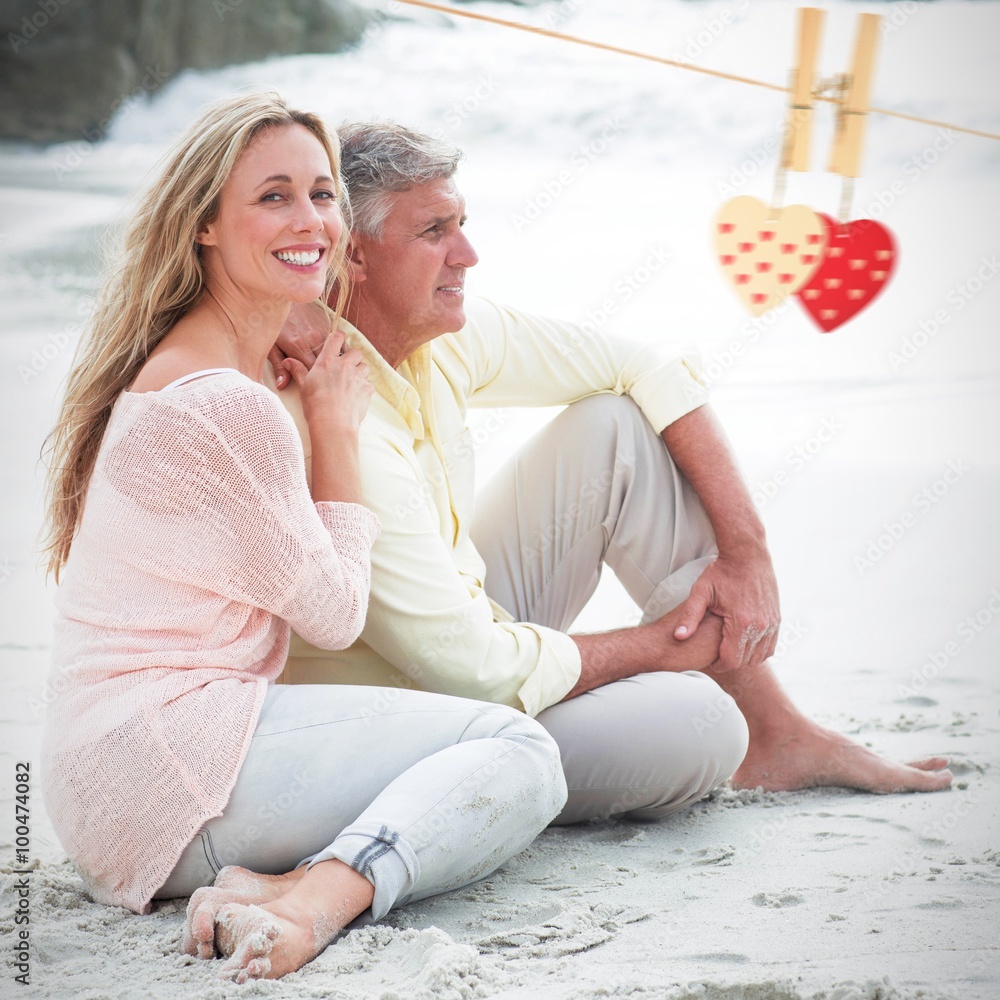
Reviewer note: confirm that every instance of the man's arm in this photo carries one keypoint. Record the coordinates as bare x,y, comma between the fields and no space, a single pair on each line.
732,612
302,338
739,586
613,656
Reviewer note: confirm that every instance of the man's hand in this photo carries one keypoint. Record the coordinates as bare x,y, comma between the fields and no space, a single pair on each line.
301,338
740,589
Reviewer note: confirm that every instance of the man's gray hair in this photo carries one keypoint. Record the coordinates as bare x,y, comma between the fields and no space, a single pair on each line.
378,158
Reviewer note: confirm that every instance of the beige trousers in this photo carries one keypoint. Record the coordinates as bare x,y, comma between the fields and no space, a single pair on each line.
597,486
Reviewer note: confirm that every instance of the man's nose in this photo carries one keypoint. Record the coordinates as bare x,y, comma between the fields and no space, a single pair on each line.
463,253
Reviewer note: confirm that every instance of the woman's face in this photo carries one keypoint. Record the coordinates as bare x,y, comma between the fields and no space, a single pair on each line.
278,220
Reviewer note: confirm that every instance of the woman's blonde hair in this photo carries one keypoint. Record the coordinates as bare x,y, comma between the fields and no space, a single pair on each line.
157,277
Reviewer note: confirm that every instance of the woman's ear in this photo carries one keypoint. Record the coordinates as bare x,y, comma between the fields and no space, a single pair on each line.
205,236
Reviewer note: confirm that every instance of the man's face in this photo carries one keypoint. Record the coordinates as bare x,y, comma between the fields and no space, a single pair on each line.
414,275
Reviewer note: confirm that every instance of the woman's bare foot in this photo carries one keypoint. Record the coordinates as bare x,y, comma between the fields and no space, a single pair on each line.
232,885
807,755
260,944
278,937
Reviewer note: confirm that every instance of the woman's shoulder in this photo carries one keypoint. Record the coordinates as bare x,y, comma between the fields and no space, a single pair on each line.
213,390
238,409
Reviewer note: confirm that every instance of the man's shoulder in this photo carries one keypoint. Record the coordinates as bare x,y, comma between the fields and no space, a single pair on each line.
486,320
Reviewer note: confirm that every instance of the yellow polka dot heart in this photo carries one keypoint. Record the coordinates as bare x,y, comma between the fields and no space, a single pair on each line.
766,253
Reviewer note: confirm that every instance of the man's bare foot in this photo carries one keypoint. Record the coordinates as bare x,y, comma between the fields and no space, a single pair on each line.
232,885
789,751
807,755
270,940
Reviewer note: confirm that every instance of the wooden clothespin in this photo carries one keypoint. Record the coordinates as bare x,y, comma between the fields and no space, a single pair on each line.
796,147
852,111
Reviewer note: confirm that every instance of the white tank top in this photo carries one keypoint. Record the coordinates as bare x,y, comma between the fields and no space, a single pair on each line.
188,378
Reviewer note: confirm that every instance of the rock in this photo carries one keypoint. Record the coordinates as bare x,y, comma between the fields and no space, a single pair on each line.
66,65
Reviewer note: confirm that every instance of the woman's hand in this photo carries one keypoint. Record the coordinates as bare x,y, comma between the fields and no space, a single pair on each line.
335,390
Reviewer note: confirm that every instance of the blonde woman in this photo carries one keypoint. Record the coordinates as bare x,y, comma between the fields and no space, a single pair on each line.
187,543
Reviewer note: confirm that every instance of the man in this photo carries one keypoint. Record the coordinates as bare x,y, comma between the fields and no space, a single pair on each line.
475,599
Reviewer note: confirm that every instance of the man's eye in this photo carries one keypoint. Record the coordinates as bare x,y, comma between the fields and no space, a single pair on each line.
433,231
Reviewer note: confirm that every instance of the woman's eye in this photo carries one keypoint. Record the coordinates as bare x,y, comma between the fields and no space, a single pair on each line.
271,196
325,195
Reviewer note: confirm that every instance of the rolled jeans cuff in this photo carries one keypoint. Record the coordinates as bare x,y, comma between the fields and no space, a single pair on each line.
382,857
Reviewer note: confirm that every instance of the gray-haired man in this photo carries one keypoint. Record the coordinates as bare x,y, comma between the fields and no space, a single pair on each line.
475,599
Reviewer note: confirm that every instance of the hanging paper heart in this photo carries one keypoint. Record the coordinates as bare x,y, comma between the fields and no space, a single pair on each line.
768,253
860,257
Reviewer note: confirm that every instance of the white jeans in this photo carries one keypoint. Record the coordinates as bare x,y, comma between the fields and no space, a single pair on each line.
420,793
597,485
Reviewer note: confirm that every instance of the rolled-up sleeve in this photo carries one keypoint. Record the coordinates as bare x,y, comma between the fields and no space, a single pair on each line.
513,358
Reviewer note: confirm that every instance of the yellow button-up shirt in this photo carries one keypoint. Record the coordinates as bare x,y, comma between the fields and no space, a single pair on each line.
431,624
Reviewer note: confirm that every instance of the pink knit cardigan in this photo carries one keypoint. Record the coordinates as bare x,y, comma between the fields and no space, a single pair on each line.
199,544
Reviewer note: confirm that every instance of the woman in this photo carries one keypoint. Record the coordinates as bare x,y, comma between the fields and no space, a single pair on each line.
188,542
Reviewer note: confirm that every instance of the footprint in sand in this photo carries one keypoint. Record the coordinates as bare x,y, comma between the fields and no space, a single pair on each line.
729,957
964,765
568,933
722,854
777,901
917,701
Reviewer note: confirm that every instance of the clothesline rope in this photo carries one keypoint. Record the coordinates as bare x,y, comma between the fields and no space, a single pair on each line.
662,60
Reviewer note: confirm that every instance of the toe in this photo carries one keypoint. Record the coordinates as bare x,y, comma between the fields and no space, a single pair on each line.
258,968
244,932
933,780
930,764
251,958
199,932
912,778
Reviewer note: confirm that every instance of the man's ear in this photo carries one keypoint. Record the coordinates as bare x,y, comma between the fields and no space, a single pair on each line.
357,262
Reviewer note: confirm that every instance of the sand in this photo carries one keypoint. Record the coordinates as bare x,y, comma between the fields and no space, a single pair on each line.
747,896
881,523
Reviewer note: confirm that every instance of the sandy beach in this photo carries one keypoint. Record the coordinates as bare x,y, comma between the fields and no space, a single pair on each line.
747,896
872,454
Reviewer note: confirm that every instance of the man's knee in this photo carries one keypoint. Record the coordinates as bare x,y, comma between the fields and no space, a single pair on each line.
615,436
648,745
605,413
718,742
